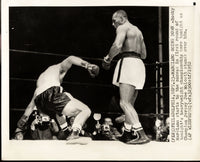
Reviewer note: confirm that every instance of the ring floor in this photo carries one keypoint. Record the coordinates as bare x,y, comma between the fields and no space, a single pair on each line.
95,150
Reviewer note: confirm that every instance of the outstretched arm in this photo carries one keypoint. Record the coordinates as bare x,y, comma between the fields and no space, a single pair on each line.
74,60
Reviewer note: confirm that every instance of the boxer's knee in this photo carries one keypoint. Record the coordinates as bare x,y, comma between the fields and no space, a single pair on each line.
125,105
87,111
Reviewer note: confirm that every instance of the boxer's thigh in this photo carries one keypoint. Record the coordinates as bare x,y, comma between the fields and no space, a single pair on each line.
73,107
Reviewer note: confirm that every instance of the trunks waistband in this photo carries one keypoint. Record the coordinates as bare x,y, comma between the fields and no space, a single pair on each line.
60,89
130,54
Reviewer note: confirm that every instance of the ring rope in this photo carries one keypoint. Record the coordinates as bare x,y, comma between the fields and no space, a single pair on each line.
51,54
87,58
157,64
84,84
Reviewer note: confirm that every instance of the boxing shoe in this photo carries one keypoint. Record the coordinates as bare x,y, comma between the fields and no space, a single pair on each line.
62,135
127,136
74,135
74,138
141,138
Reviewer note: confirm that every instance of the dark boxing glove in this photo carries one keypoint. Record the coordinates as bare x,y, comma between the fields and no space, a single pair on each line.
106,63
93,70
19,135
22,122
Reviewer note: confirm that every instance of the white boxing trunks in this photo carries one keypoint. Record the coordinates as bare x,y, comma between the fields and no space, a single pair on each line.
130,70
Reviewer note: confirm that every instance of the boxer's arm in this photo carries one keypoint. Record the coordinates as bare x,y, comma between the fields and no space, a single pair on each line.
29,109
73,60
118,43
143,52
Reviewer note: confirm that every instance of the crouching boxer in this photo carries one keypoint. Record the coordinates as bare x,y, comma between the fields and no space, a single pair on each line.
50,98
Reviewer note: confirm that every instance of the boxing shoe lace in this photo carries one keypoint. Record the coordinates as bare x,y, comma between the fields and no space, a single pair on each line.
141,138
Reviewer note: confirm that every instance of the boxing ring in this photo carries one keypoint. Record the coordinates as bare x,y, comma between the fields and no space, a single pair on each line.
22,84
159,115
158,98
98,149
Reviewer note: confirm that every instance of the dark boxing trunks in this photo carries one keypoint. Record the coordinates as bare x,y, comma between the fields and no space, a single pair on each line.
129,54
52,101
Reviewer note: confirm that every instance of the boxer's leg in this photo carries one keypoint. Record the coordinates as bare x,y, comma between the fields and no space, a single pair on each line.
126,96
80,111
134,97
137,127
121,118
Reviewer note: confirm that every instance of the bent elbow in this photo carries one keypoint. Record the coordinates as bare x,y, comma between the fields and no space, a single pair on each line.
71,58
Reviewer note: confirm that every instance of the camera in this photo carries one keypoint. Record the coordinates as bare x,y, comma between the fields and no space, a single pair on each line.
105,128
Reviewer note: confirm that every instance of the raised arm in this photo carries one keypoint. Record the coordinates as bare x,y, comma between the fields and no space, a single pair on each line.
74,60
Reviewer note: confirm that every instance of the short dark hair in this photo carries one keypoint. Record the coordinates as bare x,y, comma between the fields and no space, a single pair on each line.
121,13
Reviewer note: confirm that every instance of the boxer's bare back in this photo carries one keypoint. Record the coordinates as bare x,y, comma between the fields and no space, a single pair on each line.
52,76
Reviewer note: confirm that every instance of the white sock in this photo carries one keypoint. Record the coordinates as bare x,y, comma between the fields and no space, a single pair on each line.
137,126
127,127
76,127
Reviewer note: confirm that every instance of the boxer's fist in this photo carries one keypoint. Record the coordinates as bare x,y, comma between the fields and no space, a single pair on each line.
93,70
106,63
19,134
22,122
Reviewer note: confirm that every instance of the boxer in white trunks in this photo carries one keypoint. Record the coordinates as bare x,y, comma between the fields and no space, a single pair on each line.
129,73
49,97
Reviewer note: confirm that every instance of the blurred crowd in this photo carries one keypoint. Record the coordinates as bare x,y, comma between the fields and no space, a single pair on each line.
42,127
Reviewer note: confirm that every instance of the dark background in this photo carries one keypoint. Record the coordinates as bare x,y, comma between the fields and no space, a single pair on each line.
58,32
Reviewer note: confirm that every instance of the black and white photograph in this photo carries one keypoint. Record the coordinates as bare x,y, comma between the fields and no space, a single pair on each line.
58,46
99,82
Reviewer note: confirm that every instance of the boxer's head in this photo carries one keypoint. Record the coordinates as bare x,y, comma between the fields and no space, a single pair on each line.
119,18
